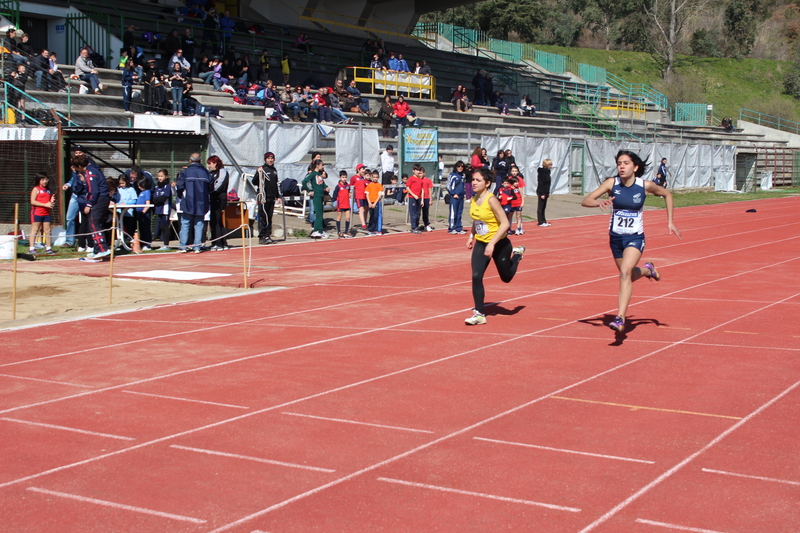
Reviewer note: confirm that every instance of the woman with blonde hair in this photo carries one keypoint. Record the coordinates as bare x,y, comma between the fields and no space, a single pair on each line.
543,191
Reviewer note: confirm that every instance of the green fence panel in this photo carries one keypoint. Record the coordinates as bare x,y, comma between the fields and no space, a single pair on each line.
690,114
10,10
769,121
592,74
555,63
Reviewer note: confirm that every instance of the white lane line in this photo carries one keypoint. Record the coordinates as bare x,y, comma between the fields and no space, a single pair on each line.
358,423
74,430
117,505
47,381
184,399
772,479
248,458
481,423
675,526
641,492
479,494
566,451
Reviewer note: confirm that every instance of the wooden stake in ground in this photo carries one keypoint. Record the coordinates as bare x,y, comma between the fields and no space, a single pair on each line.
111,265
14,278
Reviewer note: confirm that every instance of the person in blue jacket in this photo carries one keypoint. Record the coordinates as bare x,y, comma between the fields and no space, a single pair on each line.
226,24
194,189
97,201
455,188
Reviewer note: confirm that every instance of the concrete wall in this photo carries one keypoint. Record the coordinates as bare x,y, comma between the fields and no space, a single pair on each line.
770,134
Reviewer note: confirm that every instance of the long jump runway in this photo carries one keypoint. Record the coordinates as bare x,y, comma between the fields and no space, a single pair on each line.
354,398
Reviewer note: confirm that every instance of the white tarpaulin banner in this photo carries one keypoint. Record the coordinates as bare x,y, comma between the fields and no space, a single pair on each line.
290,144
352,148
724,161
529,152
766,180
166,122
28,134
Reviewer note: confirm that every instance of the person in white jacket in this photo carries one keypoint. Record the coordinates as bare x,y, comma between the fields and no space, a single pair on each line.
387,165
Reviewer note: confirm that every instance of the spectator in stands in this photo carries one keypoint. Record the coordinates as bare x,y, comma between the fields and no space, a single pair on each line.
361,102
24,46
227,72
417,67
128,77
302,43
241,72
171,45
401,111
286,98
210,32
203,69
526,106
128,38
178,58
264,58
298,105
187,45
378,62
402,64
460,99
137,54
271,97
57,81
13,47
40,65
194,189
323,106
386,114
286,69
177,79
19,77
425,70
226,24
500,103
262,74
335,106
85,70
479,83
392,62
311,103
344,97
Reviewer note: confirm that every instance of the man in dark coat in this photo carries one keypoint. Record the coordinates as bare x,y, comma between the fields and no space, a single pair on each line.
194,189
266,182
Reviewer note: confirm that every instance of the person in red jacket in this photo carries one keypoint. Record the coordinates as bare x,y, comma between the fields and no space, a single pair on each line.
401,111
359,184
427,188
341,202
414,189
478,160
42,203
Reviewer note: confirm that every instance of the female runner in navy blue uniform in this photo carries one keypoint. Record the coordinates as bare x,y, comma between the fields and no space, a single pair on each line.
626,194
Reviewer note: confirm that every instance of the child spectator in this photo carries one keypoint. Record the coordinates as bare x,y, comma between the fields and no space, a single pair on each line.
414,190
375,193
341,202
427,188
127,196
506,196
143,214
455,188
162,200
402,190
359,184
42,203
516,206
520,186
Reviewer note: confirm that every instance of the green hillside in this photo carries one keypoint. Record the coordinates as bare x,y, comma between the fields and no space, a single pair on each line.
729,84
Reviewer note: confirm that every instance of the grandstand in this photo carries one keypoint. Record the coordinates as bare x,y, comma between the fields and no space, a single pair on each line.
568,106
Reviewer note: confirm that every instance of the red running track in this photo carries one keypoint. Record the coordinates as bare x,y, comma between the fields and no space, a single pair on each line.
355,398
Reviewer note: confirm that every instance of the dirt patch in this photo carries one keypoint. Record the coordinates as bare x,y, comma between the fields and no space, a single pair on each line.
42,297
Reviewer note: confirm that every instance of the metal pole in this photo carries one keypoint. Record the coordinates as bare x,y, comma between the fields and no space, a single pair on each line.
314,137
113,246
242,206
14,277
360,142
266,136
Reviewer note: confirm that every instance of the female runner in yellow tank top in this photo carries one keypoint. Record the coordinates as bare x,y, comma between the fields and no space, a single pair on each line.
488,240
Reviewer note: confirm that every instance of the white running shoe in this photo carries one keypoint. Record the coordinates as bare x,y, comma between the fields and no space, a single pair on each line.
476,319
519,250
428,228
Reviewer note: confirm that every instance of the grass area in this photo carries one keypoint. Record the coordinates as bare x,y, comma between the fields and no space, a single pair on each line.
709,198
728,84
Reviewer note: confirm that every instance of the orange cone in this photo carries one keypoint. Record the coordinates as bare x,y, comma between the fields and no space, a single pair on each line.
137,246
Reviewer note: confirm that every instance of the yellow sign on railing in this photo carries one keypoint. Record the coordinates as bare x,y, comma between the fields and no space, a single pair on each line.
385,81
356,26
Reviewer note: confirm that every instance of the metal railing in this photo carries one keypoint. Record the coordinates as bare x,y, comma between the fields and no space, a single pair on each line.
89,30
586,113
10,10
592,74
638,90
770,121
618,108
20,113
689,114
385,81
350,25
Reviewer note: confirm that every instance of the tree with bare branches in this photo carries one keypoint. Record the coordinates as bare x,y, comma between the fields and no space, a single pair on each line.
669,18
